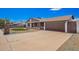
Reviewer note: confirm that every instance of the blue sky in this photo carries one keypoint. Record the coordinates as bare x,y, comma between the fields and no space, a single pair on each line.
20,14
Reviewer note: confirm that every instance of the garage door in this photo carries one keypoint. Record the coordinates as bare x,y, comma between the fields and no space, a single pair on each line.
56,26
72,27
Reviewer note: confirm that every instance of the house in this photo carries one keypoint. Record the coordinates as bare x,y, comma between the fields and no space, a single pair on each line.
19,24
61,23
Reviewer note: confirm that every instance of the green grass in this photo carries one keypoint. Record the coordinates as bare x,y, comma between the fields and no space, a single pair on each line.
19,29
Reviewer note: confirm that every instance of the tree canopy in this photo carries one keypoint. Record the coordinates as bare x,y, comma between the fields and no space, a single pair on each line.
2,22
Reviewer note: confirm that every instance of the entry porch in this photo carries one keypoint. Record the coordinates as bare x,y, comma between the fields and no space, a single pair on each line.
37,25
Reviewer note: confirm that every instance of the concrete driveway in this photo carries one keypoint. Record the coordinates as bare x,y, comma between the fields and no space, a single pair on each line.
37,41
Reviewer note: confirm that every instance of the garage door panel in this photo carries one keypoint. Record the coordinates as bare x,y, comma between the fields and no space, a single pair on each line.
72,27
57,26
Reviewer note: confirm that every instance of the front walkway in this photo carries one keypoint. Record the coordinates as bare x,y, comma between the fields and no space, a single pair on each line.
37,41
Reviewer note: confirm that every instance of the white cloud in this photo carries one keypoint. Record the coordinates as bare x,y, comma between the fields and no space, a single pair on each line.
55,9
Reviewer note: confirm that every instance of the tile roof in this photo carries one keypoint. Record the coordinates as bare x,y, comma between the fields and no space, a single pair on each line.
59,18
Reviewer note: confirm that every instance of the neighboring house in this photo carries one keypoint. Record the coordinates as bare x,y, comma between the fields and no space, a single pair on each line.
62,23
12,25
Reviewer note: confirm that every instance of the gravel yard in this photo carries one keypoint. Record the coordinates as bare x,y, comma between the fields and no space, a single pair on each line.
71,44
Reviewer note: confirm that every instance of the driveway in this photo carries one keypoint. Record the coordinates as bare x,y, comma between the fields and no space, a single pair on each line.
37,41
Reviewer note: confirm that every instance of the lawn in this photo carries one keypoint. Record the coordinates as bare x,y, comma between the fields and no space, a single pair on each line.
19,29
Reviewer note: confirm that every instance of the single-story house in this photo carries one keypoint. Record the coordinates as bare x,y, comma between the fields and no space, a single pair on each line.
19,24
61,23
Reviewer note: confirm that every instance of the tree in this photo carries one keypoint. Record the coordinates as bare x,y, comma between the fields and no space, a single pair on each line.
3,21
